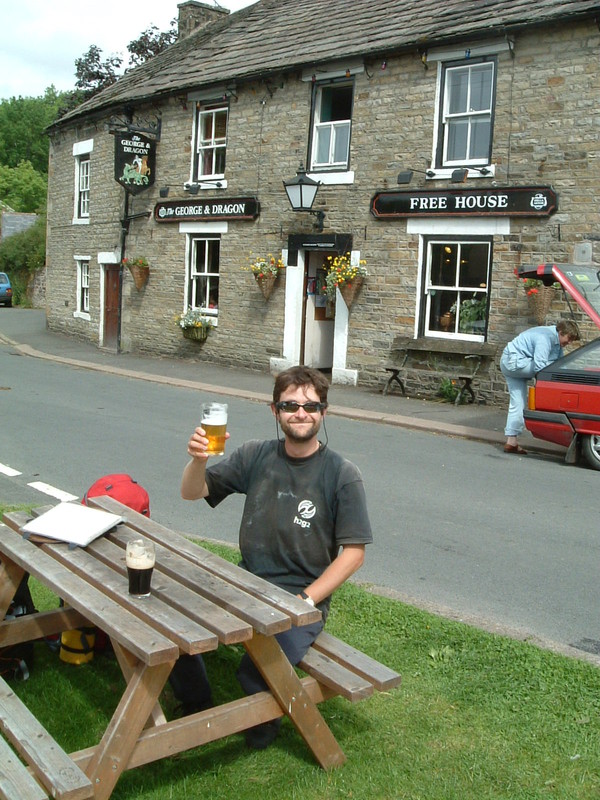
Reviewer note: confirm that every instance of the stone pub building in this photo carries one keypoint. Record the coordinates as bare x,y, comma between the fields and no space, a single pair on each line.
451,143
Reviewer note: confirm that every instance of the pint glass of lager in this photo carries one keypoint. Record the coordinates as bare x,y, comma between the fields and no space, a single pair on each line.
139,558
214,423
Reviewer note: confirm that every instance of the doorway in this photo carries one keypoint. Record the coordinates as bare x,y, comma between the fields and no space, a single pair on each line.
318,315
112,305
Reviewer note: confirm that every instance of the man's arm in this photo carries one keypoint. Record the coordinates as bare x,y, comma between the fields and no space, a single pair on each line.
341,568
193,480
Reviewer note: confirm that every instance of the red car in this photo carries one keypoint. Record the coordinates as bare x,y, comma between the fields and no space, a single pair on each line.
564,403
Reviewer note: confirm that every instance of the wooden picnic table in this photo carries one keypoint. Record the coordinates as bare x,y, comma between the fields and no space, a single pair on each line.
198,602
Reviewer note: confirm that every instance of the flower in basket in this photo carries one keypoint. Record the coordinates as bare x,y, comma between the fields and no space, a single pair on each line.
262,266
141,261
532,286
194,318
341,272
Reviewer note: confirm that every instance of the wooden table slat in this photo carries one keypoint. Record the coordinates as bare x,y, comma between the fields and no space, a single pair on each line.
189,635
146,643
263,617
16,783
383,678
51,764
229,628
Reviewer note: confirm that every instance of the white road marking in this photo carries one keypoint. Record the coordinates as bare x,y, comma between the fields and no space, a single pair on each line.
9,471
45,488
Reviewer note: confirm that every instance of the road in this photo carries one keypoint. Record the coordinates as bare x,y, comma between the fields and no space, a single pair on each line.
509,544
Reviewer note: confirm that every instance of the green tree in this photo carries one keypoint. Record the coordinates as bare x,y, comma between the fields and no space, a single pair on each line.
22,254
94,75
23,121
151,43
23,188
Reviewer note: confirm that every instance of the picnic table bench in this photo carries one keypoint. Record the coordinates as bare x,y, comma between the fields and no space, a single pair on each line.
438,358
199,601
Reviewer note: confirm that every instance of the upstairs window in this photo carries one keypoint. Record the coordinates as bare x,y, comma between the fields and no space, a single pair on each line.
81,207
455,298
203,289
466,115
331,126
211,141
83,193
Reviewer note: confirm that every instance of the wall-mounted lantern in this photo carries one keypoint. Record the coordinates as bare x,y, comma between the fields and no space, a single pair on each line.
301,192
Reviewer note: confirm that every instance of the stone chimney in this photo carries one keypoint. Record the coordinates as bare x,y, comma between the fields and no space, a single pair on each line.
194,15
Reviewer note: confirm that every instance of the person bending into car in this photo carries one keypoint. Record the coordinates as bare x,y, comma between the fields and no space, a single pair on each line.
525,355
304,525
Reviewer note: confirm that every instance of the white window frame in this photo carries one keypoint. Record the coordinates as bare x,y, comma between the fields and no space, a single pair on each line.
335,128
194,274
468,116
212,144
81,206
82,265
431,288
487,50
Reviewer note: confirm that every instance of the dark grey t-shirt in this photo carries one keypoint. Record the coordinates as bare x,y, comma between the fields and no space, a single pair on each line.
298,512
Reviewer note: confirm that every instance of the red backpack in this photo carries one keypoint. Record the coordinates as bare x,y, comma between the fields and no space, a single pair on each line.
124,489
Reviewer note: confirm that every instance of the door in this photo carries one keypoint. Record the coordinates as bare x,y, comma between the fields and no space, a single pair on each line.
112,305
318,320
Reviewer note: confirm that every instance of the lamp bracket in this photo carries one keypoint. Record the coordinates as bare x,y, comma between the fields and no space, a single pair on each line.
320,215
152,129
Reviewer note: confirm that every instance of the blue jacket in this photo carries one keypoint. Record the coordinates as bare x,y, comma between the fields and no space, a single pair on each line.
534,348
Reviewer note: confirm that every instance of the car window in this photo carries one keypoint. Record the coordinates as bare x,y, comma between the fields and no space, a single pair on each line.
585,358
4,277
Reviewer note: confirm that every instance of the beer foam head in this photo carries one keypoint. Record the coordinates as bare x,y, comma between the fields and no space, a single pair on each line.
216,415
138,556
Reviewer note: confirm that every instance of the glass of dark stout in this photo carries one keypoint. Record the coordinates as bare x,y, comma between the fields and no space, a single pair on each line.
139,558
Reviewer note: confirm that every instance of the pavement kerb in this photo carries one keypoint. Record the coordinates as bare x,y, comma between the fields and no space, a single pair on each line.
399,420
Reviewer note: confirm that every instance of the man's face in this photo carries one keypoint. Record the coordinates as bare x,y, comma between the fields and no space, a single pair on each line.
300,426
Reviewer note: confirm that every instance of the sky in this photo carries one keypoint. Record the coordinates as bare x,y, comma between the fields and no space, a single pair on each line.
40,39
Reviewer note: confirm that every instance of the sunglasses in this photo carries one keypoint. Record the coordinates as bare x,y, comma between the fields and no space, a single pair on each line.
291,406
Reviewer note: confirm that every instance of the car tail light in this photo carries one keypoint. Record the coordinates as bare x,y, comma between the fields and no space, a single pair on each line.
531,398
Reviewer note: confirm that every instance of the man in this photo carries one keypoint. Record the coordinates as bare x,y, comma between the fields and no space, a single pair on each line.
528,353
305,524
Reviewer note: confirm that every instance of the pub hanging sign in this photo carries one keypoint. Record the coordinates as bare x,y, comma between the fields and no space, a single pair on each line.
519,201
193,210
135,159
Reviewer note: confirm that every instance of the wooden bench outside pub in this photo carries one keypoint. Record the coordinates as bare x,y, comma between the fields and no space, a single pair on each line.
431,357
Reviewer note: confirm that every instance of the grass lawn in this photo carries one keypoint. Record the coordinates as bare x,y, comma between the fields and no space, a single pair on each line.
477,716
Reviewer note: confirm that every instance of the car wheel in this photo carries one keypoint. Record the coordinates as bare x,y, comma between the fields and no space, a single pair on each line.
590,447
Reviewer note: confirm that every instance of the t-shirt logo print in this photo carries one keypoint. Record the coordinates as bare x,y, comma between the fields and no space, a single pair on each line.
306,511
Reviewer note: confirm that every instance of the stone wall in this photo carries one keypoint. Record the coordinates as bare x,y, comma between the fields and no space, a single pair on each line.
545,133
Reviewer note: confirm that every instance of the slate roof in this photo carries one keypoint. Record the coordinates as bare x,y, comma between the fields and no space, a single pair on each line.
274,36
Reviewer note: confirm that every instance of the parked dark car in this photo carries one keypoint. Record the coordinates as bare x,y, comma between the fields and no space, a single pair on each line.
5,290
564,403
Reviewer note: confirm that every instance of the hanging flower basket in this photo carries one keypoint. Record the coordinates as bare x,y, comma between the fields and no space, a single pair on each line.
197,334
266,283
265,271
140,271
540,299
195,324
349,290
344,275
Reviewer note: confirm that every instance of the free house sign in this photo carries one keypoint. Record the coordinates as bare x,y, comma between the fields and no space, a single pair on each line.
516,201
192,210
